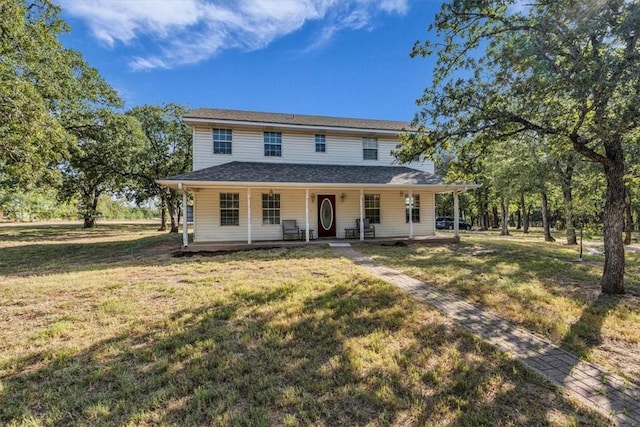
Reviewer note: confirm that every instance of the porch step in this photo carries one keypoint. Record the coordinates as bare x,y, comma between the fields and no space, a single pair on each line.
340,245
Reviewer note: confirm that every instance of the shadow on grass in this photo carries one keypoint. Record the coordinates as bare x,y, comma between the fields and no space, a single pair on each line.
36,259
58,255
64,232
536,285
586,333
356,353
480,273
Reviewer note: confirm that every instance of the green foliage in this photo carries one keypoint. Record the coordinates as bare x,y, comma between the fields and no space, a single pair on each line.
108,148
165,151
166,146
566,71
37,204
113,208
43,88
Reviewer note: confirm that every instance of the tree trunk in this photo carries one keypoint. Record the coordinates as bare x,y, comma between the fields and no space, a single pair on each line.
525,215
545,218
613,274
494,223
568,216
504,206
173,204
629,222
89,207
89,222
566,182
163,211
483,213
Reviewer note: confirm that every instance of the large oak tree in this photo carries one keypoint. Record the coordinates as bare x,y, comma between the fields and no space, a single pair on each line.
565,69
44,88
108,149
166,151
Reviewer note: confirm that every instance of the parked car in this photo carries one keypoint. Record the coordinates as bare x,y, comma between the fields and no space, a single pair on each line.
446,223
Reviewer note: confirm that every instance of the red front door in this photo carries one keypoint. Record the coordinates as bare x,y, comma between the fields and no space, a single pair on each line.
326,215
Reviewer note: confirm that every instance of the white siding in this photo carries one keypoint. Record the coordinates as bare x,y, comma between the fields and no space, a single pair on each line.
392,213
297,147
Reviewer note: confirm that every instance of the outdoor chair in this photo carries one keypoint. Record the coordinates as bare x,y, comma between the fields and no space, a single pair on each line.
290,228
369,229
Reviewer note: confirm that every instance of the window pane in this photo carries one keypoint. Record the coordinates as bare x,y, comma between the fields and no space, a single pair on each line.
273,144
321,143
370,154
370,148
270,209
222,141
372,208
416,208
229,209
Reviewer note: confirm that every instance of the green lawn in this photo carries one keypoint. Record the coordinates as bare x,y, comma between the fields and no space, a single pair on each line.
103,327
541,286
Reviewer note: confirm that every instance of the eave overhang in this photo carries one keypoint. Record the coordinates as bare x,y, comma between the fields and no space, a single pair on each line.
282,175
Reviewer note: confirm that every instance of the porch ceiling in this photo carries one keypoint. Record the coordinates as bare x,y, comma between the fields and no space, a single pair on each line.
307,175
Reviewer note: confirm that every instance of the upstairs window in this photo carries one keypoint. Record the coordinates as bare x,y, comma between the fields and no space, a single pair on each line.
273,144
270,209
321,143
372,208
222,141
415,212
370,148
229,209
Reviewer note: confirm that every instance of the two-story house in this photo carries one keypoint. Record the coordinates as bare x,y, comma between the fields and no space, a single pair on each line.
253,170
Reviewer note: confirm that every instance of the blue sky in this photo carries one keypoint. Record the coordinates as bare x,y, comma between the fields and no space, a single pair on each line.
328,57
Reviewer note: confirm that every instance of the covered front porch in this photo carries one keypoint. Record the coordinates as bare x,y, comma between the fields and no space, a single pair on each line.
252,215
225,247
250,202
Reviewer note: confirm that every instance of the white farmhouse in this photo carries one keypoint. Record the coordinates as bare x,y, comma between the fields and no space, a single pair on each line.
255,173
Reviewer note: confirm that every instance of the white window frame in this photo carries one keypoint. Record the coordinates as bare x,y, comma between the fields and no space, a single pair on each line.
416,208
272,144
372,208
271,208
222,140
369,148
321,143
229,204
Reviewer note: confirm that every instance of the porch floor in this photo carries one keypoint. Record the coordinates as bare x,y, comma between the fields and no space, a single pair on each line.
269,244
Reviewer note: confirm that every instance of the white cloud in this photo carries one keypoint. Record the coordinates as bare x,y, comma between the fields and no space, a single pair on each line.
397,6
180,32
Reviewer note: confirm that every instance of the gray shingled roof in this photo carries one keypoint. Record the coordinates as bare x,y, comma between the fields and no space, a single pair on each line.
310,174
295,119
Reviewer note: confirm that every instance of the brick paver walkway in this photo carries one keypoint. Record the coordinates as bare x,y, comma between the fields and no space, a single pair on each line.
610,394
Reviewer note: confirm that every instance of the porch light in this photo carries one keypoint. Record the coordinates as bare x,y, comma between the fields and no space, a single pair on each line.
342,197
313,197
401,193
270,192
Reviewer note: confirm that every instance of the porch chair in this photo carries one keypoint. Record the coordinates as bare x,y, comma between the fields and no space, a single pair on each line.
368,228
289,228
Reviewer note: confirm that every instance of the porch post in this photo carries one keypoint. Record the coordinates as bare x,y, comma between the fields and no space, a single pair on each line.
411,214
456,214
248,215
185,231
306,212
361,214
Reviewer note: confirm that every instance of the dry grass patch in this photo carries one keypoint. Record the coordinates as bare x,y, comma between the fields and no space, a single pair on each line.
540,286
275,337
